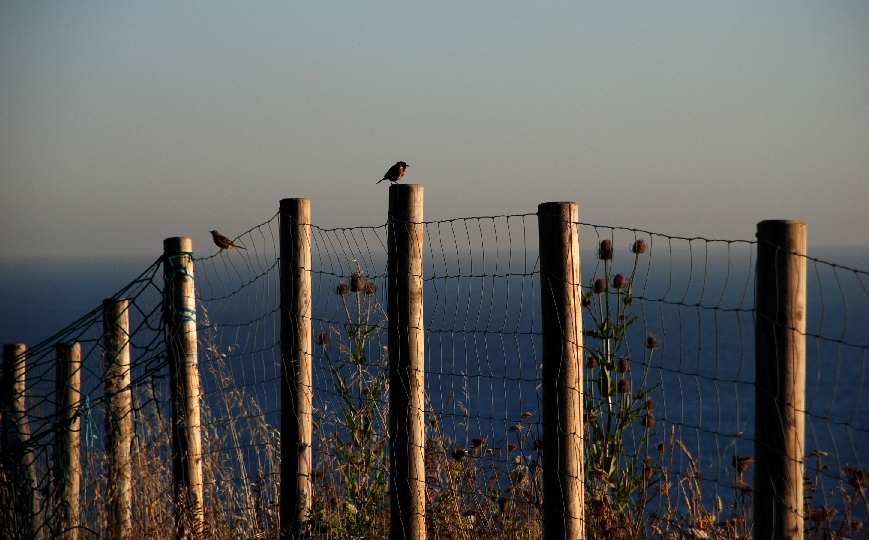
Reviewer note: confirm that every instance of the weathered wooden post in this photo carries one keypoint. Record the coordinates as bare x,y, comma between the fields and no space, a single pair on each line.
67,450
563,497
18,460
406,342
119,420
180,316
780,379
296,350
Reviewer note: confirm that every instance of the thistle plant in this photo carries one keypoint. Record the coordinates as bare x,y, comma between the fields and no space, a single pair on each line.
357,450
619,476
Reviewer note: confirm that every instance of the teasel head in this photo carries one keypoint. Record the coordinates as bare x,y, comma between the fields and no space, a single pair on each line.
605,250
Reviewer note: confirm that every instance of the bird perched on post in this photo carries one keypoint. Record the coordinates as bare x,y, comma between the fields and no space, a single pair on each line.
223,242
395,172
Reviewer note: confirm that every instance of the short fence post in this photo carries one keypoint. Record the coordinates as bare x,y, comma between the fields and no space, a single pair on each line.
67,451
780,379
182,352
296,381
563,497
406,362
119,421
17,456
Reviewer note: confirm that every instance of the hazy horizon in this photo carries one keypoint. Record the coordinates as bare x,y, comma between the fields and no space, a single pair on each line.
125,123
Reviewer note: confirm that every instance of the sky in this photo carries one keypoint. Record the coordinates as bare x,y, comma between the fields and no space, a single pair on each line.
123,123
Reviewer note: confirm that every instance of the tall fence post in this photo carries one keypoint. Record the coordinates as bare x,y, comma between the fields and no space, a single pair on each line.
119,421
67,451
180,315
406,362
563,497
780,379
17,456
296,381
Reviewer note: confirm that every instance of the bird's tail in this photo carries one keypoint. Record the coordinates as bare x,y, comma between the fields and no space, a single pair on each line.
381,180
241,247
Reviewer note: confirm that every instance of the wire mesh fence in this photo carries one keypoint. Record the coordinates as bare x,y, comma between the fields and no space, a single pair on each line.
668,390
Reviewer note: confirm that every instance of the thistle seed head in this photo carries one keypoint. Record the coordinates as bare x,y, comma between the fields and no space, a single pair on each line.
605,250
599,286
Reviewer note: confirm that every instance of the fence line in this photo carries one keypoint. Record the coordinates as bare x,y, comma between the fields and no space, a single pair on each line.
667,373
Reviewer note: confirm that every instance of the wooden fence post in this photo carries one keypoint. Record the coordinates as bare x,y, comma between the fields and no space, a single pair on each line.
406,342
296,382
780,379
17,456
67,451
563,496
180,315
119,420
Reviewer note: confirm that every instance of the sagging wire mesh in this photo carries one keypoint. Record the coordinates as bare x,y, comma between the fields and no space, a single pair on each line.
37,467
668,379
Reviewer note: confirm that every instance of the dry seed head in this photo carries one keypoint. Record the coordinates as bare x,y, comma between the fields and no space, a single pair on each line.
591,362
741,486
605,250
342,288
526,415
459,454
856,525
478,442
511,447
741,463
620,281
649,420
357,282
623,365
652,341
858,478
639,246
599,286
517,427
370,287
323,339
623,386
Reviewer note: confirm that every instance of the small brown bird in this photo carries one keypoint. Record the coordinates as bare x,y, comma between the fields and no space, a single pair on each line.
223,242
395,172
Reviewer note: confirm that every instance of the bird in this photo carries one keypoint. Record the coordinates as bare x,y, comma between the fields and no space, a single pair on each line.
223,242
395,172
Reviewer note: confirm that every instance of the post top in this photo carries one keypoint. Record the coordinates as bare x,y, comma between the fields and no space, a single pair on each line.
773,229
177,244
295,200
780,222
564,210
410,187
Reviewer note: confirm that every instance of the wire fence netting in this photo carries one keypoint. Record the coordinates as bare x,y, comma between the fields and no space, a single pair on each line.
668,390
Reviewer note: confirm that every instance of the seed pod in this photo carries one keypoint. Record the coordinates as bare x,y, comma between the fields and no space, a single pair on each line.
605,250
623,365
623,386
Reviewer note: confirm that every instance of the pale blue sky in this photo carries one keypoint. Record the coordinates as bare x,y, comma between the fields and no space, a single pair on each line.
122,123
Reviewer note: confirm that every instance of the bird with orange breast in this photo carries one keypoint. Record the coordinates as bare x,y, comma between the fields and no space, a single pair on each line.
395,172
